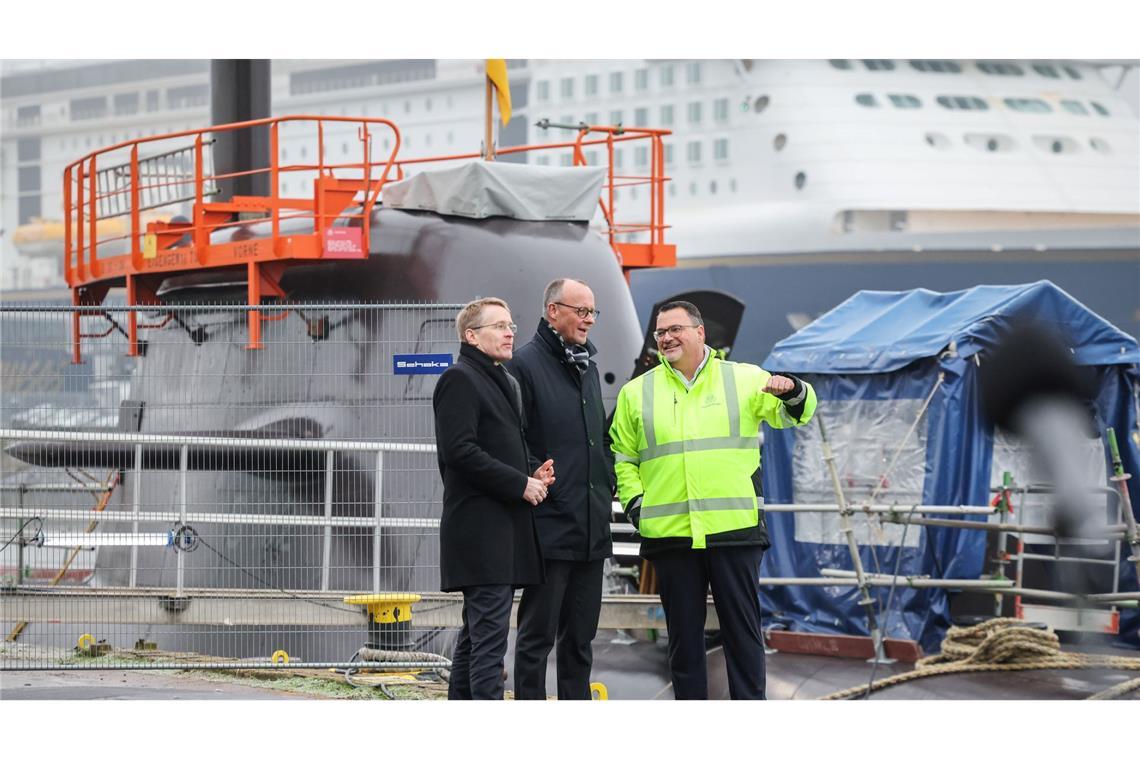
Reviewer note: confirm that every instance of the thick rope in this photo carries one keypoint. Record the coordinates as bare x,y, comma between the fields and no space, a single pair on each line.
1001,645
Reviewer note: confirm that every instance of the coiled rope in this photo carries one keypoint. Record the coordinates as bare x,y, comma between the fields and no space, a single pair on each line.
1002,644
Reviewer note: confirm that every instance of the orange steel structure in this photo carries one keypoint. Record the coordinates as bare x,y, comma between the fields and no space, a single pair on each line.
343,193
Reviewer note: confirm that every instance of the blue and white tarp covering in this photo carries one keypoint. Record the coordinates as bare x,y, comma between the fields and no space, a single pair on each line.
874,361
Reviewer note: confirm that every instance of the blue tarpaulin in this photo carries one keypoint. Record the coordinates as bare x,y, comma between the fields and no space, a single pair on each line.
880,355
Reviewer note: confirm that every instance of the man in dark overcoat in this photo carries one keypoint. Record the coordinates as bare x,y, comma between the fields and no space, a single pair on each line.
488,542
565,422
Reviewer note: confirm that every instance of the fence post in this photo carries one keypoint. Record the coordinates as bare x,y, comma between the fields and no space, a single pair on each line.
135,514
378,512
183,465
327,549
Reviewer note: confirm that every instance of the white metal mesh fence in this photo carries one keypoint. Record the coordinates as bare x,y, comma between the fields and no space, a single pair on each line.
214,499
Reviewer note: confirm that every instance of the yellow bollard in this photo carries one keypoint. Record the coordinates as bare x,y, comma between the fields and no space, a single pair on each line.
598,692
280,657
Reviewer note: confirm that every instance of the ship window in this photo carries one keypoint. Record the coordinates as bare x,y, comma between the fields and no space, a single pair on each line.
152,100
126,103
866,100
1073,73
344,148
780,141
937,140
591,157
1075,106
619,158
720,110
27,116
720,149
936,67
641,80
1099,145
672,188
566,88
840,63
667,116
1046,70
427,106
190,96
1056,144
732,185
905,101
641,117
693,152
591,85
542,91
878,64
995,68
566,159
694,113
800,180
88,108
760,103
407,106
990,143
641,155
28,149
615,118
1028,105
669,155
616,81
542,160
666,75
712,187
591,118
693,73
962,103
1099,108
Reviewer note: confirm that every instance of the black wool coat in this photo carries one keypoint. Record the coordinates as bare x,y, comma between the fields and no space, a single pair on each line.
487,533
566,422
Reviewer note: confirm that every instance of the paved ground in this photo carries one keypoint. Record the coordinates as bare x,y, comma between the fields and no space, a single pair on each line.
127,684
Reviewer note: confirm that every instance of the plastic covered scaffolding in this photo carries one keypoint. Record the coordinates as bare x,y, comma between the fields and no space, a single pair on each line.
897,378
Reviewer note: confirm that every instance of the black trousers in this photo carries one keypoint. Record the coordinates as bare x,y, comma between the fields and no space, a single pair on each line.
683,578
565,610
477,665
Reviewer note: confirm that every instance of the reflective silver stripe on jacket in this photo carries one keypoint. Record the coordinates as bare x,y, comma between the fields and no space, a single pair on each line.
732,441
696,505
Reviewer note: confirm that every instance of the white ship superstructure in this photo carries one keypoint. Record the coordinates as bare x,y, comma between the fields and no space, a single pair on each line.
765,157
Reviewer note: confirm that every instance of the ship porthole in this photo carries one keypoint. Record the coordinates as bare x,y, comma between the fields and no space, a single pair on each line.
801,180
780,141
760,104
1099,145
609,378
937,140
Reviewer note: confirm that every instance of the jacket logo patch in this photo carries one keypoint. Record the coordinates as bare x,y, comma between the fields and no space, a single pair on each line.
709,400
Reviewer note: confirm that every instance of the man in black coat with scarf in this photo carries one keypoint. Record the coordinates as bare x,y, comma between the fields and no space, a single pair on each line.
562,400
488,542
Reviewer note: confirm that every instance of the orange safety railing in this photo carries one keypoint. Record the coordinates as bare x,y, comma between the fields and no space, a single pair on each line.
97,188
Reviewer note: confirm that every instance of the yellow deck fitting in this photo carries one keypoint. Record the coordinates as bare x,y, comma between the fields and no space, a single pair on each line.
599,692
85,641
386,608
280,657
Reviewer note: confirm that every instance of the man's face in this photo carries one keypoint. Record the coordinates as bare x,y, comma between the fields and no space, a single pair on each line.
492,334
563,316
681,338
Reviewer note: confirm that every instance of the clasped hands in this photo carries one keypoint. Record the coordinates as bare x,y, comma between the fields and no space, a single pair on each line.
538,484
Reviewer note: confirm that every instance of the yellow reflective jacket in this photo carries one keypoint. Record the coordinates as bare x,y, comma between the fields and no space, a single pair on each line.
690,452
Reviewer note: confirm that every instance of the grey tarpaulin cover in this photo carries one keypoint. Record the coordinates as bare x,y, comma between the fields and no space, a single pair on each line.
488,188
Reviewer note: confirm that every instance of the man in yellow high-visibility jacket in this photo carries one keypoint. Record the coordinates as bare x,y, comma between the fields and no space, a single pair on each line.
688,472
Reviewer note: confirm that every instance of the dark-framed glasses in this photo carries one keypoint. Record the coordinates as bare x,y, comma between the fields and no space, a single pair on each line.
673,330
500,326
581,311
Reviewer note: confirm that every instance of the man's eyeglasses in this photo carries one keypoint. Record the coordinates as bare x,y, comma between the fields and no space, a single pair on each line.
673,330
581,311
500,326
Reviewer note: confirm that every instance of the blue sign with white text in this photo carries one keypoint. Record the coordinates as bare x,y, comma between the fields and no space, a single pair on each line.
420,364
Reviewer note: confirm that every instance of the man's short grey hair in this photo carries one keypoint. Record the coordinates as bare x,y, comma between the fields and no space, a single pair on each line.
471,314
554,290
